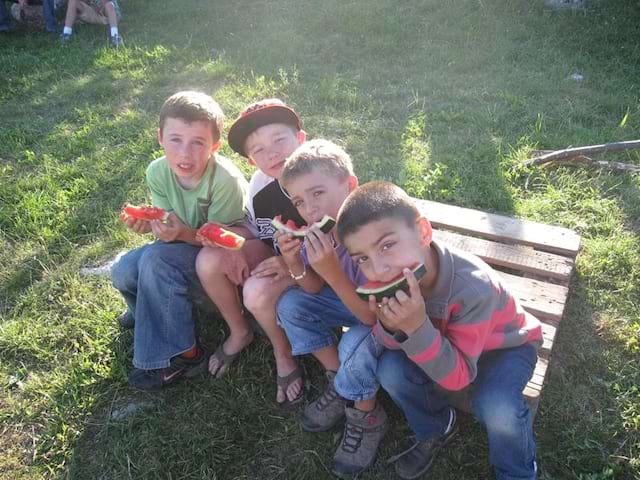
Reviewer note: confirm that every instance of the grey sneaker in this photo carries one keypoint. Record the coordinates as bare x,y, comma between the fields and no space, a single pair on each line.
116,41
418,459
363,433
126,320
65,38
326,411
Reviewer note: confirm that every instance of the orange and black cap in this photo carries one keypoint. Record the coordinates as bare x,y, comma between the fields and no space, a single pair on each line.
259,114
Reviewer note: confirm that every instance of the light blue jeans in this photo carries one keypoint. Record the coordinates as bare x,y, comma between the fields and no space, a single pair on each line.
497,401
310,322
158,281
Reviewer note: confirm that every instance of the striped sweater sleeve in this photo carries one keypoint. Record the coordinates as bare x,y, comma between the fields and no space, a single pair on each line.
451,360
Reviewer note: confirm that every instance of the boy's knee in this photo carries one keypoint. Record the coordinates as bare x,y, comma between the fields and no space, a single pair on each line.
390,371
354,343
208,263
124,275
500,413
258,295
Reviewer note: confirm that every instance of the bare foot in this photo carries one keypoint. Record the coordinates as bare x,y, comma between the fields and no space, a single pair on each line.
218,364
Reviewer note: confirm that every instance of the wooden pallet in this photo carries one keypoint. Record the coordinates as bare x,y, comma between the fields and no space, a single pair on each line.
535,259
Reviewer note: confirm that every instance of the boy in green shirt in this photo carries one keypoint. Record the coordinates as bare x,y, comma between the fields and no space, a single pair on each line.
195,185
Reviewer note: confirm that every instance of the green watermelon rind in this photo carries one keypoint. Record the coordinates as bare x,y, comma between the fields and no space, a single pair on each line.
391,288
325,224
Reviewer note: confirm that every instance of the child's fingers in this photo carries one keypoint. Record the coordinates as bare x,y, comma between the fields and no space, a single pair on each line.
311,240
392,307
402,297
414,287
373,304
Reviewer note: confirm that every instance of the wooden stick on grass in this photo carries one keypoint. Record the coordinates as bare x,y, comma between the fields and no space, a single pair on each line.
572,153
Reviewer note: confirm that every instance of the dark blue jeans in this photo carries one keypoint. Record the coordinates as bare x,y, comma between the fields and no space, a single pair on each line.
4,16
158,282
498,403
49,15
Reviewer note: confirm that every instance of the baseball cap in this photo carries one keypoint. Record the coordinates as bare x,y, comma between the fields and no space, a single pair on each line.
259,114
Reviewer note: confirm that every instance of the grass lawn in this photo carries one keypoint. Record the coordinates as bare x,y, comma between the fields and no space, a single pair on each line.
444,98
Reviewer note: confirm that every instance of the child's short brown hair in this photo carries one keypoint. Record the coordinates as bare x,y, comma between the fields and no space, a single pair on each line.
193,107
372,202
318,154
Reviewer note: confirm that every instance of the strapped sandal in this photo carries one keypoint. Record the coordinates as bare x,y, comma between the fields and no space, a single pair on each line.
224,360
285,382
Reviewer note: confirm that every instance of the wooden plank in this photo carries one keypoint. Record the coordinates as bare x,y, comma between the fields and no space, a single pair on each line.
523,259
502,228
544,300
548,337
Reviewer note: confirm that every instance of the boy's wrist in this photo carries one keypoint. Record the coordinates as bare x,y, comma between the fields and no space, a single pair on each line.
300,276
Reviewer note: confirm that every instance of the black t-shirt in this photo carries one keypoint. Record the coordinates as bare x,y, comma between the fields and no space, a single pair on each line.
266,201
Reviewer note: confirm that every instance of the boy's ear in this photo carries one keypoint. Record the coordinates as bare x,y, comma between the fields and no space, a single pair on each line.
301,135
353,183
216,146
160,136
424,230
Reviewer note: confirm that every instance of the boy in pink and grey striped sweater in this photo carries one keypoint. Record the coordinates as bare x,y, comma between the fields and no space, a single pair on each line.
458,325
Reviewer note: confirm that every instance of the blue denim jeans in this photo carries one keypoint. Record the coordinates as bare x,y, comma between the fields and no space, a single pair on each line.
49,15
4,16
497,401
157,281
310,320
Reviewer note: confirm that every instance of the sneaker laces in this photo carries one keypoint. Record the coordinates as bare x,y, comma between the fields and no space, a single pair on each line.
353,435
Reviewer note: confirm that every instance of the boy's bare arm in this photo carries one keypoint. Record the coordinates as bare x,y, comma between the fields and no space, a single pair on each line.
324,260
346,291
305,277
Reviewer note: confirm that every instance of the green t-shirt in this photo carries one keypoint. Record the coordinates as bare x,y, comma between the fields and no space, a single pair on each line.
219,197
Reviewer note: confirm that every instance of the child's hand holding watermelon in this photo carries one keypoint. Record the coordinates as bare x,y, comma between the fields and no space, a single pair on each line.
322,254
404,312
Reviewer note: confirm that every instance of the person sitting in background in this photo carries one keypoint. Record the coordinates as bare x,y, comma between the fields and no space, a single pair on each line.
100,12
27,12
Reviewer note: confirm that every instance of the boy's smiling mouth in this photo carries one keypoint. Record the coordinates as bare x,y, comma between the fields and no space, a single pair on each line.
185,166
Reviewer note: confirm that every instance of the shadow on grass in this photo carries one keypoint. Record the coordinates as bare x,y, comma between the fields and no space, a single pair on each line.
580,423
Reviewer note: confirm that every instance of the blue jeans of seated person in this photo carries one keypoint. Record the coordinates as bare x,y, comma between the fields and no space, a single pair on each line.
310,320
497,401
49,15
158,281
4,16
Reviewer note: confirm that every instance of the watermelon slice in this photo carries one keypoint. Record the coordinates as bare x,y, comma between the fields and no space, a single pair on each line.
388,289
145,213
221,237
325,225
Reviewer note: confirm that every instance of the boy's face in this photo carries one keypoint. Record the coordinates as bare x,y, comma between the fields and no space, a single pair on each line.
316,194
382,248
269,146
188,148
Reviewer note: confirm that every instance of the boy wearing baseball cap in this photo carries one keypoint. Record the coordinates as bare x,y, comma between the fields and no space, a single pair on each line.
266,133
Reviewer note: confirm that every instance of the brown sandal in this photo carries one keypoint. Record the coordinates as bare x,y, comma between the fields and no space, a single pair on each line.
285,382
224,360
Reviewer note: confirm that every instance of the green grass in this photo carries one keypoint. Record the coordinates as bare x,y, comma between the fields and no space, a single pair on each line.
445,98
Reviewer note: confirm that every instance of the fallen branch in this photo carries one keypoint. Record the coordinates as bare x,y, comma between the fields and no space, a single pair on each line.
570,153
